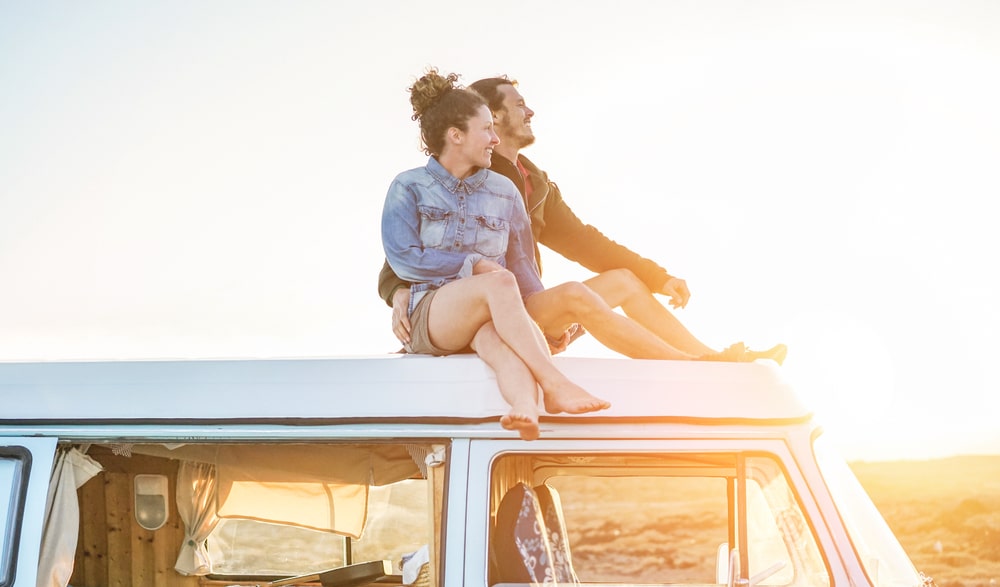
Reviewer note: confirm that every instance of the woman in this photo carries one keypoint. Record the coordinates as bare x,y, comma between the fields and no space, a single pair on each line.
460,234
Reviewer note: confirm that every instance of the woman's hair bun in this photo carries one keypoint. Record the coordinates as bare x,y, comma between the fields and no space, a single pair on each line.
428,90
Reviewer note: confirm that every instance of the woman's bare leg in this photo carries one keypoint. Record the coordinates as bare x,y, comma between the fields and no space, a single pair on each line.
557,307
462,307
516,383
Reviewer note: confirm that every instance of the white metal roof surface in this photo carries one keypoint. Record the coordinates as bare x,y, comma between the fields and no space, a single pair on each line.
378,387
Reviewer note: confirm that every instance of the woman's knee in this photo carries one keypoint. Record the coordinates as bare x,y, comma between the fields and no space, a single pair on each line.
488,344
502,281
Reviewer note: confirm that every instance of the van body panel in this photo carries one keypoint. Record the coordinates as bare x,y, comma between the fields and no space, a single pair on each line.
440,415
455,539
395,388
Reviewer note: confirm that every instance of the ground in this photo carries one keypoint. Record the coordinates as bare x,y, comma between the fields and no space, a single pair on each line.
945,512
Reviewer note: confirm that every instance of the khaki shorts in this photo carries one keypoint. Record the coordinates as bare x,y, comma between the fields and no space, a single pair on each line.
420,337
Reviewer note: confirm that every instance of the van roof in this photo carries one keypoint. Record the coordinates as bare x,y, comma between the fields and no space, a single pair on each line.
375,388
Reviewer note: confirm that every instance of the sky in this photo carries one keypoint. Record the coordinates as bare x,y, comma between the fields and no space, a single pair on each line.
183,179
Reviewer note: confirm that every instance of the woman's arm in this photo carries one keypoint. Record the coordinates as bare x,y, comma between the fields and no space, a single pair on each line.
520,258
404,250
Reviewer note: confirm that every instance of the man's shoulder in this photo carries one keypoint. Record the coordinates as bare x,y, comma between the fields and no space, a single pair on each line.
500,183
531,167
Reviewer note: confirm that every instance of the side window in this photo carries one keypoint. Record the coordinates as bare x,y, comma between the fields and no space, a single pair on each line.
304,510
398,523
253,513
15,464
652,519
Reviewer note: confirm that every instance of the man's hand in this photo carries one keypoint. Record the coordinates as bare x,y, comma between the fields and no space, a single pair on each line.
400,316
677,290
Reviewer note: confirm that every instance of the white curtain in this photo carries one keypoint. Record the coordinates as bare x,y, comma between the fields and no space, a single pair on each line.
62,517
197,492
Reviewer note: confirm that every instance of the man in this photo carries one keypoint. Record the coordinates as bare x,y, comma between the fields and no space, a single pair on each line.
625,279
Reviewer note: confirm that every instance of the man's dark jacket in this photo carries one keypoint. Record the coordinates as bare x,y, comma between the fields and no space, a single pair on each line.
554,225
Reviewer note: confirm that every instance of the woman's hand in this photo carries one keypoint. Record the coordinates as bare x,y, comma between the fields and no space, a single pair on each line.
486,266
558,345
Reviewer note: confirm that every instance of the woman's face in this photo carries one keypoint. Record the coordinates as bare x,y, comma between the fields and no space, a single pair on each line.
476,143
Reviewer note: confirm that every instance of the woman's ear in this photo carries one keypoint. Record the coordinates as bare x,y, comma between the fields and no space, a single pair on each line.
455,135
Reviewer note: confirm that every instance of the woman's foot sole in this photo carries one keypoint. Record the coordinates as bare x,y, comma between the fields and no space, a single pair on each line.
525,426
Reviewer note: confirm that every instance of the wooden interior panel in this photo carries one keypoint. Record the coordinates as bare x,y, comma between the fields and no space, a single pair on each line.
113,550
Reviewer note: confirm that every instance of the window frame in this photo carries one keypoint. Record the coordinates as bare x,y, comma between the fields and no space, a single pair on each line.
17,498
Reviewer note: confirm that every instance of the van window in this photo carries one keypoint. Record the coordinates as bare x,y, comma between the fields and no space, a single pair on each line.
885,561
253,512
398,524
655,519
15,464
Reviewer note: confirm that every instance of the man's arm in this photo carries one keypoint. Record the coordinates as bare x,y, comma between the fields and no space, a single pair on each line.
567,235
389,282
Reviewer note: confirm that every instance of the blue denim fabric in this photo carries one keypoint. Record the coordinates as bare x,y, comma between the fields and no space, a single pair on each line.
435,227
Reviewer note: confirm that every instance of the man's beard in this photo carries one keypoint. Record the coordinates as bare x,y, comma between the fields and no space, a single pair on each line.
521,138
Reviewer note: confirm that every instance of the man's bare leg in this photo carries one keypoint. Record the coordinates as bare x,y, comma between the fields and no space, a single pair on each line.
516,383
462,307
621,288
557,307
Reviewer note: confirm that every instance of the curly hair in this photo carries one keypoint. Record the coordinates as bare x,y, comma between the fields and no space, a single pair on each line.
439,103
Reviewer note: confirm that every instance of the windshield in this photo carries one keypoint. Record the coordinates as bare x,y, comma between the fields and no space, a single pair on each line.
885,561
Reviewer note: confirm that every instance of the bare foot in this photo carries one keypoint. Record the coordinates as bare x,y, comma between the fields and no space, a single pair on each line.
525,425
571,398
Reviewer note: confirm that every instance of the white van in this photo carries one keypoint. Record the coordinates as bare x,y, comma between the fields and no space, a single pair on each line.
395,470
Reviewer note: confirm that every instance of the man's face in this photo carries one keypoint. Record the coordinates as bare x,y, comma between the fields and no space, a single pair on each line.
513,123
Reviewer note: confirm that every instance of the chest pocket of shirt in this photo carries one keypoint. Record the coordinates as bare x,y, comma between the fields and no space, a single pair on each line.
433,226
491,236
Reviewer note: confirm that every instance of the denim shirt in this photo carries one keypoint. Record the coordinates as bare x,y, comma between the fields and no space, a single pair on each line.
436,227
